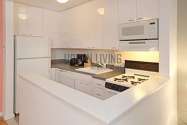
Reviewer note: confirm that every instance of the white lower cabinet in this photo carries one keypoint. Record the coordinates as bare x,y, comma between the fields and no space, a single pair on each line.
65,78
100,91
84,86
53,74
84,83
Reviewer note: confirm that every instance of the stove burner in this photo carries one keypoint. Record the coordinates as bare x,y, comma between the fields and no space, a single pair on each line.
128,77
142,80
135,83
121,80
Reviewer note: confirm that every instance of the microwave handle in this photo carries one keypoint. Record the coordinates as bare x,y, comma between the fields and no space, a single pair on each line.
137,42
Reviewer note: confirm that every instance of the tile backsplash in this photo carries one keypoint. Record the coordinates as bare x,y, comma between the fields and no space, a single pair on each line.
106,56
96,56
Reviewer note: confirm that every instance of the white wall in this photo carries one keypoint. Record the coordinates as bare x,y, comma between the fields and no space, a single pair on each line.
182,61
168,55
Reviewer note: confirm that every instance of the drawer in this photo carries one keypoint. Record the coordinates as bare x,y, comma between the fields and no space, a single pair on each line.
84,86
68,82
99,83
99,93
108,93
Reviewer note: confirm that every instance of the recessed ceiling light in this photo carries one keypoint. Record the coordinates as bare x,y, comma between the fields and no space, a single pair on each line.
62,1
101,11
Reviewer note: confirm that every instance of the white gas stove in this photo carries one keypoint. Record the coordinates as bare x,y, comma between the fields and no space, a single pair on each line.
130,79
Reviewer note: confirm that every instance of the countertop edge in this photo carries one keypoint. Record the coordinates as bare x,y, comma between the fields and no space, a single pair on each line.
96,113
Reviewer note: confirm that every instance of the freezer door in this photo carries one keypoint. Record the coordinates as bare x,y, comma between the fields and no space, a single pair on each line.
39,66
31,47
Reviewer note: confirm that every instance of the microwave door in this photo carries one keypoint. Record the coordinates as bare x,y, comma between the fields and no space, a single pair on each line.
132,33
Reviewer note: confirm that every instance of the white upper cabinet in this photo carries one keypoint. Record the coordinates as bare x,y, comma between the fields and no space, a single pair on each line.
35,21
147,9
21,19
52,28
136,10
127,10
28,20
110,29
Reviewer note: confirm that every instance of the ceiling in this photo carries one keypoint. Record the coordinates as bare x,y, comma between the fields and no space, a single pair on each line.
52,4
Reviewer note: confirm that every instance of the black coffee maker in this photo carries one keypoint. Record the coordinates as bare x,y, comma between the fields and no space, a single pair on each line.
79,61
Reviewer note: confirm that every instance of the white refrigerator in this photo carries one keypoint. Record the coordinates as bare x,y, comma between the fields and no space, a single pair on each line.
32,55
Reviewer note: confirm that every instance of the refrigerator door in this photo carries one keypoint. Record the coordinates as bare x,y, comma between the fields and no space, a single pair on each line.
39,66
32,47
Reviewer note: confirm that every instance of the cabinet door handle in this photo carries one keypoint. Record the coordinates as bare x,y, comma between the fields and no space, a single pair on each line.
131,20
99,84
140,18
98,94
136,42
61,70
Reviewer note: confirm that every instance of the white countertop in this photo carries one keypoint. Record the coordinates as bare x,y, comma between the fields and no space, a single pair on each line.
104,110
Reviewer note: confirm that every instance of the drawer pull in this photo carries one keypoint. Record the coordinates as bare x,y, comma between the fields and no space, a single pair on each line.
130,20
136,42
98,94
140,18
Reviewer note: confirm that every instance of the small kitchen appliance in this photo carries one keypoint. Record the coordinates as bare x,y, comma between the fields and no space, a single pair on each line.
79,61
141,35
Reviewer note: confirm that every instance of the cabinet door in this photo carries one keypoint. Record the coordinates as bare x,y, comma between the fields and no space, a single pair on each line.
21,19
108,93
98,93
35,21
52,29
110,30
84,86
28,20
147,9
53,74
63,77
127,10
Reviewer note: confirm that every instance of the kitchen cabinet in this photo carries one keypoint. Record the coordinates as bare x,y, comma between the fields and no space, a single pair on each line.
127,10
84,83
100,91
52,30
136,10
64,77
35,21
53,73
110,25
91,26
28,20
147,9
21,19
82,26
84,86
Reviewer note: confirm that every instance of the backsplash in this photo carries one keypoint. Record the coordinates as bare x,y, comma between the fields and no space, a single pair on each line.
106,56
96,56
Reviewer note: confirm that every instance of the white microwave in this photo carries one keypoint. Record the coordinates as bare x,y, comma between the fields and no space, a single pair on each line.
141,30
